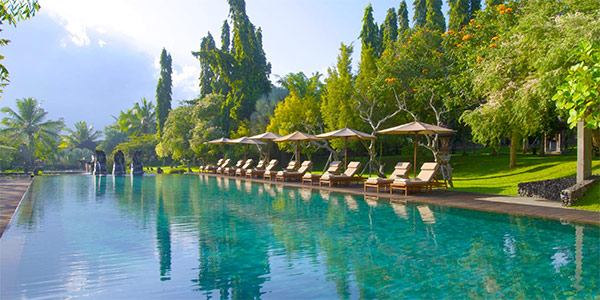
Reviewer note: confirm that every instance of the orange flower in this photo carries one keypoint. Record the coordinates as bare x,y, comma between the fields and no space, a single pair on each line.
471,21
501,7
389,79
493,46
508,10
414,90
466,37
443,35
478,26
459,45
409,42
450,32
461,32
428,31
384,53
424,71
403,46
502,11
479,59
496,38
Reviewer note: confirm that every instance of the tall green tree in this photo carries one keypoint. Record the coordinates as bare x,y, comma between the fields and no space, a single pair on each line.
435,18
473,7
82,136
12,12
113,136
177,134
225,37
164,90
420,15
390,28
28,125
403,18
459,14
338,108
369,34
207,74
139,120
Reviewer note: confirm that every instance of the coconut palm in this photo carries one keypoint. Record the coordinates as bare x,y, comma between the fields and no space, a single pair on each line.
28,125
141,119
82,136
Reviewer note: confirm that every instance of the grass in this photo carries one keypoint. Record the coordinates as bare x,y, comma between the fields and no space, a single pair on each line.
591,200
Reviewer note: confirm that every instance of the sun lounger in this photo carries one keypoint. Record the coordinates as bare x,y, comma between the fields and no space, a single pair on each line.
291,167
334,168
346,177
221,168
425,180
212,168
400,171
242,171
305,167
231,170
260,172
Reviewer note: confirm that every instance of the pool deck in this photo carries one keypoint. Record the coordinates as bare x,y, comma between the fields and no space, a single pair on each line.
11,193
521,206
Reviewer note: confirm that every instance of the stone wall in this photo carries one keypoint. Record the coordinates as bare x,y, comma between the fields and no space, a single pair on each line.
547,189
569,195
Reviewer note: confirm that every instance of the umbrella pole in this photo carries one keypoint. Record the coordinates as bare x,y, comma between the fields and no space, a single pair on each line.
415,165
346,154
268,151
298,151
245,149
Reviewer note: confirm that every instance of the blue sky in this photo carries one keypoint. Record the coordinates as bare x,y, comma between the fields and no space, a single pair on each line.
88,60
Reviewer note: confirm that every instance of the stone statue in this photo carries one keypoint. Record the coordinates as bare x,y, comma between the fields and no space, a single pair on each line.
119,164
137,167
99,167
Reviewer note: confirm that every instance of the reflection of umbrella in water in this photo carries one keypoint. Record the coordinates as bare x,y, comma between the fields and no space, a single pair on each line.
267,136
246,141
297,137
346,133
416,128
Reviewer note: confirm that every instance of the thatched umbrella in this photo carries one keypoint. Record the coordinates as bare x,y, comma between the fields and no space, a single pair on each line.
346,133
267,136
416,128
246,141
297,137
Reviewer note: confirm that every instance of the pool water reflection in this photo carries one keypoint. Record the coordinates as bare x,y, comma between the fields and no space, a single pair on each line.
202,237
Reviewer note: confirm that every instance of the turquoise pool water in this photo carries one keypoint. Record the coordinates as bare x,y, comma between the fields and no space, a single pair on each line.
180,237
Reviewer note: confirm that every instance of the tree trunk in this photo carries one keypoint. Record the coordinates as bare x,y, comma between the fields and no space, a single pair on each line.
514,140
525,145
494,151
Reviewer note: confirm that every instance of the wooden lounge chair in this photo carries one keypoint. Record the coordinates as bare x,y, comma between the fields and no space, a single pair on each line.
425,180
346,177
334,168
221,168
260,172
305,167
212,168
291,167
242,171
400,171
231,170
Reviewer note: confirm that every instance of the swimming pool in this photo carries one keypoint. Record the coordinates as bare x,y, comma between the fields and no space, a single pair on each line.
171,236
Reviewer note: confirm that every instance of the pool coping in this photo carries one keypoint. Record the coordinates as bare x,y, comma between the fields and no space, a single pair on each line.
12,192
530,207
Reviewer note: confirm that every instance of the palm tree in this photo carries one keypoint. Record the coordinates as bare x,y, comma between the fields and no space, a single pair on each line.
82,136
141,119
28,126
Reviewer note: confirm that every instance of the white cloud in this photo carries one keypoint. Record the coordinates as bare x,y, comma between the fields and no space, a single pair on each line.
78,33
185,82
101,43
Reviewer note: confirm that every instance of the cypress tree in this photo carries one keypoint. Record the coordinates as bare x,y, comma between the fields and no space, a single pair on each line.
225,38
435,18
369,34
207,74
420,17
459,14
390,28
164,90
475,6
403,17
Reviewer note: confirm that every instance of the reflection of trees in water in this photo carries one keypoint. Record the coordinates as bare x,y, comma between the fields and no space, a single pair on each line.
163,239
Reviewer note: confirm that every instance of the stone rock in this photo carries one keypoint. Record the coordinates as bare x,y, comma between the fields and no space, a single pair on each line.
119,164
99,161
137,167
570,195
